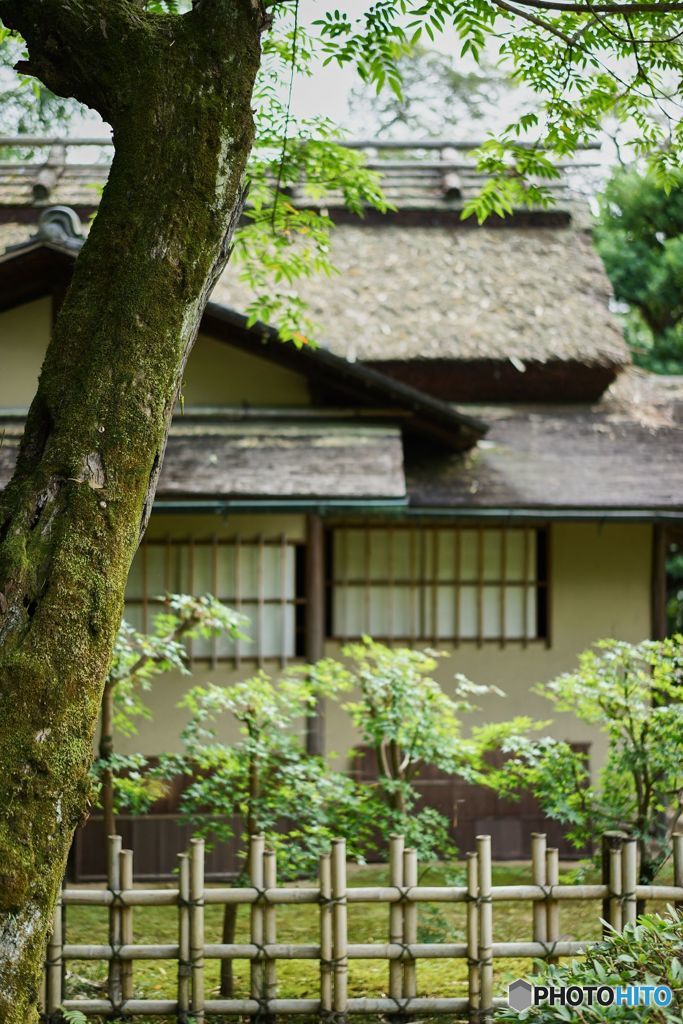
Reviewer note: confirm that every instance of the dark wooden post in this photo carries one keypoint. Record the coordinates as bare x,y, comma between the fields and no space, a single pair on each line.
315,623
660,546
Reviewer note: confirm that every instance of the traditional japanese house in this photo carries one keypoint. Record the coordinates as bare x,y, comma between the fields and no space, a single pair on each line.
467,461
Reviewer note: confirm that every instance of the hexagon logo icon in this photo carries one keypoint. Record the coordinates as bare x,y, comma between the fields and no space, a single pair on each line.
519,995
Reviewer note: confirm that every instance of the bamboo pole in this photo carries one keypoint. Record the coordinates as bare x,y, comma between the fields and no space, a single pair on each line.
339,929
629,870
256,850
677,844
270,925
409,923
197,928
326,954
552,877
610,852
396,915
538,875
184,956
472,921
126,877
615,888
485,929
114,977
54,994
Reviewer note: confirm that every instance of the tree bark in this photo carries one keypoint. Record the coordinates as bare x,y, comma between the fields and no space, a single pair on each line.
177,91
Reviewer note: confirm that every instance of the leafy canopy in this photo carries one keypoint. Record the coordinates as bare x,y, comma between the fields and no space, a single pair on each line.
634,694
262,780
580,62
639,235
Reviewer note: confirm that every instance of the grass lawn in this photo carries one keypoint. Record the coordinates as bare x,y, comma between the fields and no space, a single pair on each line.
367,923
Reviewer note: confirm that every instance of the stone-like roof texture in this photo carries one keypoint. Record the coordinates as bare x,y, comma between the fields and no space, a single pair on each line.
462,293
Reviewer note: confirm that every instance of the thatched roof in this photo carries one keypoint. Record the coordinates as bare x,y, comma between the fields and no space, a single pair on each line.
524,304
536,294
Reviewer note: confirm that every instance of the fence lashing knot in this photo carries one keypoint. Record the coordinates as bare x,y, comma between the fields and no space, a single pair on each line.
115,948
627,897
261,895
332,901
184,968
261,951
547,890
188,902
402,1003
117,899
406,951
264,1011
549,948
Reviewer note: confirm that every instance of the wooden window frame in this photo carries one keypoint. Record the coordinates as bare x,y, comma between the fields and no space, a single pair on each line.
245,604
423,590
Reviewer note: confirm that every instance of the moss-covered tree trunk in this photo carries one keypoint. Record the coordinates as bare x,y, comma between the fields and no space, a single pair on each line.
177,91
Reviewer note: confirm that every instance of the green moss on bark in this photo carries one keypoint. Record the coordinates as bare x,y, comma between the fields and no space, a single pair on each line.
71,519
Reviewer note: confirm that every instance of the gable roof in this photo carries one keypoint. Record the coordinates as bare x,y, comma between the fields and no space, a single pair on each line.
43,264
523,304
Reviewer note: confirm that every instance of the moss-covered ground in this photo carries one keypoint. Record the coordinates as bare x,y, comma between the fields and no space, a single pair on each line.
299,924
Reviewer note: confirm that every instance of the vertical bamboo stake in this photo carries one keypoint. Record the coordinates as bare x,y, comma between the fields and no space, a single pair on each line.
611,843
629,871
114,885
472,910
325,876
614,886
677,843
197,927
270,923
552,877
396,916
410,923
339,929
485,929
126,871
538,865
184,969
53,996
256,849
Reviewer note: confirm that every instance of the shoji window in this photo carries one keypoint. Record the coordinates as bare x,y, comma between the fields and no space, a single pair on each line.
438,583
259,577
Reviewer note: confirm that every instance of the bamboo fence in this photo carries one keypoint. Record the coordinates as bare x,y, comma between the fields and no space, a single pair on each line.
333,951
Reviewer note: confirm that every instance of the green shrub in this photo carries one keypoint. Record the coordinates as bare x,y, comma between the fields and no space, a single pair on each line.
647,953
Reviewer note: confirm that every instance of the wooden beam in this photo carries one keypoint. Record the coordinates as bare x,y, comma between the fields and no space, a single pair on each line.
315,623
660,547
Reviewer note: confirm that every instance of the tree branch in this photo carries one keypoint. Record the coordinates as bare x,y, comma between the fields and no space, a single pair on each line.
82,49
646,7
535,20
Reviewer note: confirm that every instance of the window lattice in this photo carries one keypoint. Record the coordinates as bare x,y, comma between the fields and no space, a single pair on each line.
437,583
257,577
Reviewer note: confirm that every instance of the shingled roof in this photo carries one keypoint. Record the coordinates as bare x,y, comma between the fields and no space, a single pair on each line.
623,453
